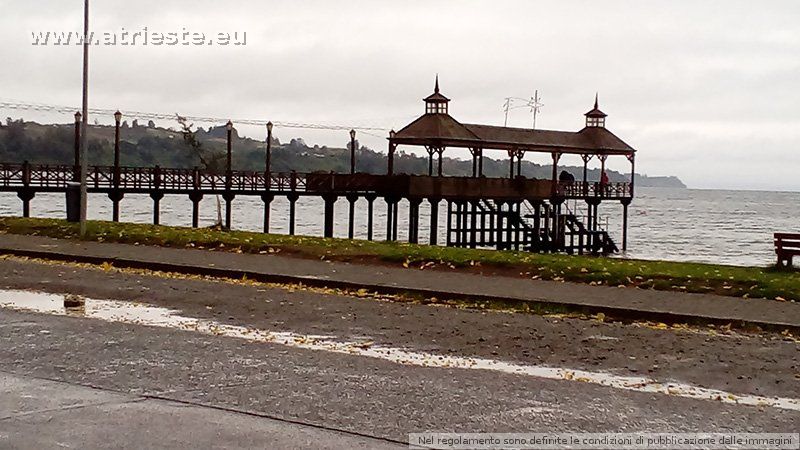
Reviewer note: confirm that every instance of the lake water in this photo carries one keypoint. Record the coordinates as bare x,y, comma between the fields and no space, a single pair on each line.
726,227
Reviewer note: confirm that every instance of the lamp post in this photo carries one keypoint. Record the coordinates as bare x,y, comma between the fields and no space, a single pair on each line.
268,161
84,117
117,120
390,167
229,127
352,151
76,167
116,195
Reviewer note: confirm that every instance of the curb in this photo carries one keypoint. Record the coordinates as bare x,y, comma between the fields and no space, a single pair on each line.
611,312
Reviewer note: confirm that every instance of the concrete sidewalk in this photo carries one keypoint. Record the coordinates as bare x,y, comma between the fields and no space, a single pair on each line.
37,413
616,302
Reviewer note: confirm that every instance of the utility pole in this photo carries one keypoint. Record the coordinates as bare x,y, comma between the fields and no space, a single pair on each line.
85,118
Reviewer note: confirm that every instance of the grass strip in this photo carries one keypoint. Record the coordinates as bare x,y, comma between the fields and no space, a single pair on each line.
754,282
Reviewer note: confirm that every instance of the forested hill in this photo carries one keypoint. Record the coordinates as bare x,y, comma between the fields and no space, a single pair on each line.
148,145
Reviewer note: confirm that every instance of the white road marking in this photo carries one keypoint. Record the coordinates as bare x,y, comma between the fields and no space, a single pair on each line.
143,314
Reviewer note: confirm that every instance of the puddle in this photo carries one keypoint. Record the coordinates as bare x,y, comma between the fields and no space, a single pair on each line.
147,315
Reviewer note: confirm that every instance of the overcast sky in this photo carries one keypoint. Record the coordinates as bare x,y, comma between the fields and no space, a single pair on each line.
705,90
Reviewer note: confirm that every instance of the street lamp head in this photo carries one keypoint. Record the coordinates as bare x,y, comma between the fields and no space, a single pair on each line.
78,117
269,127
352,134
229,125
117,116
392,134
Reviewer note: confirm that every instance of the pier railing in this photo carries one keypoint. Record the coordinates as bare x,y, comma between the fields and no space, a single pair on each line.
579,189
147,179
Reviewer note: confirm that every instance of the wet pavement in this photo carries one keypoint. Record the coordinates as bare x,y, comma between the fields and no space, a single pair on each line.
383,367
669,306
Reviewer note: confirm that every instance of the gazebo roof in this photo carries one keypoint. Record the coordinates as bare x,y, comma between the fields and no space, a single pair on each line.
440,129
444,130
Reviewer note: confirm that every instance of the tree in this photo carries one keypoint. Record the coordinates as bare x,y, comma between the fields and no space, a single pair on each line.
210,160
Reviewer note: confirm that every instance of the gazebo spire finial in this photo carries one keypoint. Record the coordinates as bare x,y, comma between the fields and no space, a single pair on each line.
595,101
436,89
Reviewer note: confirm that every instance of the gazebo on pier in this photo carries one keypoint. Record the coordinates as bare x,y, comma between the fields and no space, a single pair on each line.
437,130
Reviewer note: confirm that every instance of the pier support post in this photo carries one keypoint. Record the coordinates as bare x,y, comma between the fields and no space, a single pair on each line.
591,224
459,223
370,205
330,201
391,218
473,232
195,197
413,220
434,236
537,225
449,241
351,200
292,200
558,235
115,196
499,226
625,203
228,196
156,196
440,151
267,199
26,195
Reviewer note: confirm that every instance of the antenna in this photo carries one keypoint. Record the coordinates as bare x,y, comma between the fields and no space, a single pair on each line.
535,105
506,107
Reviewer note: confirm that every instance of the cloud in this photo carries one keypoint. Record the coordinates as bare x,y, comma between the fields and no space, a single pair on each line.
691,84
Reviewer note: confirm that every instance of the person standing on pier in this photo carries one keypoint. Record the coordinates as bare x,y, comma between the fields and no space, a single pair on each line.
603,182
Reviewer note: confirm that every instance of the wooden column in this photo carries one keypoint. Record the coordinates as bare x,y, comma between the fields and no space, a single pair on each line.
389,218
413,220
395,222
537,225
430,160
440,151
26,195
115,196
195,197
625,204
473,232
449,240
228,196
293,197
351,199
556,156
390,167
632,159
330,201
474,153
586,159
434,228
370,204
267,199
156,196
499,226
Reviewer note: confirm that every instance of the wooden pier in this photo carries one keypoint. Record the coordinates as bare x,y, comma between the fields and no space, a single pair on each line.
504,213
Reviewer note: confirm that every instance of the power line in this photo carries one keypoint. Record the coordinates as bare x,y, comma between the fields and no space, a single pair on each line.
33,106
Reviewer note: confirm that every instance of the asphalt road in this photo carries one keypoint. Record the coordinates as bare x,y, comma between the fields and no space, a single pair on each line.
340,399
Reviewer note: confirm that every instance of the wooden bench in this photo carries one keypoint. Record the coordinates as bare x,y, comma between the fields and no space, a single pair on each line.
787,245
